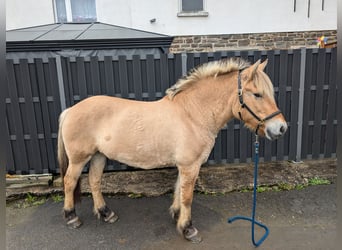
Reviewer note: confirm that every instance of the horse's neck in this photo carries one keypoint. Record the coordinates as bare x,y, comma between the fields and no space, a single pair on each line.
209,103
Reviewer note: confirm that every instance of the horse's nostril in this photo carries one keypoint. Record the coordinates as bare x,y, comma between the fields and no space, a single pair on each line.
282,129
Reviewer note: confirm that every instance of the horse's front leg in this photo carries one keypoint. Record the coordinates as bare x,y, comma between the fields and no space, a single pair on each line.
97,165
187,180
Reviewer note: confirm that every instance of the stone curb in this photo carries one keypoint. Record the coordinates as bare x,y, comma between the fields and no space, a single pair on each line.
221,179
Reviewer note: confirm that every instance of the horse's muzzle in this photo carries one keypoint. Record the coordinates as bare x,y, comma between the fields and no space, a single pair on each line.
275,129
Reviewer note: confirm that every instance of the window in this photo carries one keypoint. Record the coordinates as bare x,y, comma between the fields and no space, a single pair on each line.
192,8
192,5
61,16
75,11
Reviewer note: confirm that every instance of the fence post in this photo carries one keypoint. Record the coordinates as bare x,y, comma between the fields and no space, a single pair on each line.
301,104
60,82
184,64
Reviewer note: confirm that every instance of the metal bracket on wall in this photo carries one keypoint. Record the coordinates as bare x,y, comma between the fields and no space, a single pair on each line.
309,5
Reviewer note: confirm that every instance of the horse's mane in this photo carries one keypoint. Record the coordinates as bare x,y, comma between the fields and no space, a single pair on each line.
210,69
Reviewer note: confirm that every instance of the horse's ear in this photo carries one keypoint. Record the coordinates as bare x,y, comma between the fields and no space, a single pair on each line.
252,69
263,65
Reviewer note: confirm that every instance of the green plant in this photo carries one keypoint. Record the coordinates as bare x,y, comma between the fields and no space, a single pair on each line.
261,189
135,196
245,190
286,186
57,198
300,186
318,181
32,200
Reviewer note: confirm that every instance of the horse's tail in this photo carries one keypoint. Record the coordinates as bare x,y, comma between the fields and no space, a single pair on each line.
63,159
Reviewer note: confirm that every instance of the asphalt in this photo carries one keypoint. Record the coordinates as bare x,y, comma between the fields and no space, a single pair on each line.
297,219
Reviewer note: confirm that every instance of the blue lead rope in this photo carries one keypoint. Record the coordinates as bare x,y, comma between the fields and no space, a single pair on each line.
252,219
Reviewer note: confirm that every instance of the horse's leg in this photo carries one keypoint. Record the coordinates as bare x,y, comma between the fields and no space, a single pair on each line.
187,179
175,207
97,165
71,178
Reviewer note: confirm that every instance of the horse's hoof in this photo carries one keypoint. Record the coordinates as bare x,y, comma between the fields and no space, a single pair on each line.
111,218
108,215
74,223
191,234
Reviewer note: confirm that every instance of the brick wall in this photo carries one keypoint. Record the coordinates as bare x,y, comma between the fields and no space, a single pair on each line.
261,41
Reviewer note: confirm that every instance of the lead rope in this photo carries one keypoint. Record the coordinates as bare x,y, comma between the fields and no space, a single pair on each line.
252,219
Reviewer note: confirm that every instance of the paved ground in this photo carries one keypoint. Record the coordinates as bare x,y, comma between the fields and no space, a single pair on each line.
298,219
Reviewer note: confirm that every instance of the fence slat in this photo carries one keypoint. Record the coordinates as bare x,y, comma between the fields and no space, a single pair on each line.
81,78
164,69
151,83
218,148
267,145
331,114
45,113
137,82
318,104
230,142
123,77
109,75
306,111
19,152
295,82
33,149
282,97
95,75
67,80
55,108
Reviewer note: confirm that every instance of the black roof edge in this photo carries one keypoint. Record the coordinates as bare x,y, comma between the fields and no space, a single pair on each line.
57,45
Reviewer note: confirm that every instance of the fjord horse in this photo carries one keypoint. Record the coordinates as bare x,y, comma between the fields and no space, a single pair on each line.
177,130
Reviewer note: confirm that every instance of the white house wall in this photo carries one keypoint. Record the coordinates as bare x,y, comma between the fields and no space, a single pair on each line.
27,13
225,16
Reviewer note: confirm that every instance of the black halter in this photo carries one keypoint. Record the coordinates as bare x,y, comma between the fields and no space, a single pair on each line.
244,105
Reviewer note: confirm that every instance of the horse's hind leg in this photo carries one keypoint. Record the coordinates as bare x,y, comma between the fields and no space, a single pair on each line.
97,164
175,207
71,178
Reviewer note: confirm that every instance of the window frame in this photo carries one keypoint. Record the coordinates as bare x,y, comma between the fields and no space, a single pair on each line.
68,11
200,13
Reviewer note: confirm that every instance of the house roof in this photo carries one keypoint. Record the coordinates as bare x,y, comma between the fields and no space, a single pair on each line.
97,35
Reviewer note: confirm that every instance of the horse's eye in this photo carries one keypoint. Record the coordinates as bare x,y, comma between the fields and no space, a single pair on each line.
257,95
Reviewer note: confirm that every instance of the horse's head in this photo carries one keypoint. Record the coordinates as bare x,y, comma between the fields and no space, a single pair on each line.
256,105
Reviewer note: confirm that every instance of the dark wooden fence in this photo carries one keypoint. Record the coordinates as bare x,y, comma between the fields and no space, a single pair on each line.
38,89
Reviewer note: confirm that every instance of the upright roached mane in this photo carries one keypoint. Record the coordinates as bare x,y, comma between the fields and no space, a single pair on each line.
216,68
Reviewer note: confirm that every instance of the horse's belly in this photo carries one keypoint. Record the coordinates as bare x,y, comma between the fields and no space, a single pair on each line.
139,160
144,155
